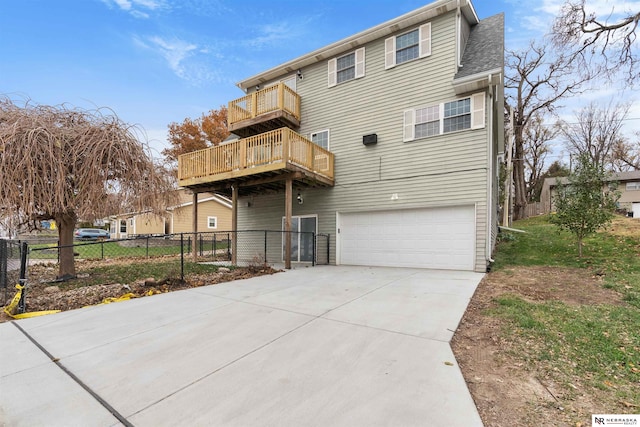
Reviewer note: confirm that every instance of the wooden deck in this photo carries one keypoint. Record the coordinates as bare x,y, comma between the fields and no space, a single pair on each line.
264,110
266,158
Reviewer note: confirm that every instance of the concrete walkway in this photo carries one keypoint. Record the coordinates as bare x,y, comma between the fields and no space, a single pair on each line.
322,346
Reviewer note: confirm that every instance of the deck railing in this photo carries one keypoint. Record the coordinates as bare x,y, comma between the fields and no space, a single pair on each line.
273,98
278,146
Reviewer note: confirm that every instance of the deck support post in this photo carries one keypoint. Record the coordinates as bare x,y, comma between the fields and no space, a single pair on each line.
288,208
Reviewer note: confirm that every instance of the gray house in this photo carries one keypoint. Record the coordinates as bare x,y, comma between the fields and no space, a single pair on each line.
387,141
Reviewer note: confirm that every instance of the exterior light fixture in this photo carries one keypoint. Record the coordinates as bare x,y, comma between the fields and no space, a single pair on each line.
299,74
299,198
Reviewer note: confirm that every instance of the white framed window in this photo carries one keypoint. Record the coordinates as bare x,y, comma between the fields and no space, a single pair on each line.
451,116
408,46
321,138
123,226
346,67
212,222
632,186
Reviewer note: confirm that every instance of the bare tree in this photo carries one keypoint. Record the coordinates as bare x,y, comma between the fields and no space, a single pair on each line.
626,154
595,41
67,164
596,133
535,80
536,147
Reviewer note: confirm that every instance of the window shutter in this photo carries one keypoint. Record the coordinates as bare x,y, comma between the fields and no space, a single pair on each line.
360,62
425,40
333,73
409,127
390,53
477,110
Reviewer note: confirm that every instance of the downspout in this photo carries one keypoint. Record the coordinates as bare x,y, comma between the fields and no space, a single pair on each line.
458,36
490,172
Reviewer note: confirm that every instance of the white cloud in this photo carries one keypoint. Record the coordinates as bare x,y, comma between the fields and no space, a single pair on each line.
138,8
174,51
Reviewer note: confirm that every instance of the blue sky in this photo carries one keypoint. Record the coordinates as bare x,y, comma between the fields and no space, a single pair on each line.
154,62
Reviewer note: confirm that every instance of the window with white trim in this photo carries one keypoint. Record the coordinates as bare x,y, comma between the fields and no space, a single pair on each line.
346,67
451,116
321,138
633,186
408,46
212,222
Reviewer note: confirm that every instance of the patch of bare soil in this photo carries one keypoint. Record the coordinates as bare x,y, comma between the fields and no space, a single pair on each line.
44,294
506,391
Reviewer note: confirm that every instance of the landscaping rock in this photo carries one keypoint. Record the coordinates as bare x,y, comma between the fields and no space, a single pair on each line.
51,289
224,270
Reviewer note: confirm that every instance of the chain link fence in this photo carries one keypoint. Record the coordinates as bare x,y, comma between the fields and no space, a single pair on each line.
251,246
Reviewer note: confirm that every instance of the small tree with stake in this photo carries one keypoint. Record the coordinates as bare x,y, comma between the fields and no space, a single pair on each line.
585,204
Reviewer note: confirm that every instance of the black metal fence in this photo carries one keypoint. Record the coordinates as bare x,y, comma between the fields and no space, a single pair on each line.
13,268
251,246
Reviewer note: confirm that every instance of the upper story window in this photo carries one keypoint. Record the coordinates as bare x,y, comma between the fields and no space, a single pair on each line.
407,46
346,67
457,115
321,138
633,186
461,114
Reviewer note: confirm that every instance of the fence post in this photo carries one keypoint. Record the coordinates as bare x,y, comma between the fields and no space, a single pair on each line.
4,260
313,250
181,256
201,245
147,246
213,246
22,304
102,250
229,246
265,246
328,247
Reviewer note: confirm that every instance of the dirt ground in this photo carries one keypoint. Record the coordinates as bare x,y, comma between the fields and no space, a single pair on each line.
505,390
44,294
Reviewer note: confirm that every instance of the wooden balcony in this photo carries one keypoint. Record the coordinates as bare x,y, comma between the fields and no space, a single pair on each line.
257,164
264,110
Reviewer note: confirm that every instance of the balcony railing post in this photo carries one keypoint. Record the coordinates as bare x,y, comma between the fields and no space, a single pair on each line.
243,153
281,105
254,104
285,145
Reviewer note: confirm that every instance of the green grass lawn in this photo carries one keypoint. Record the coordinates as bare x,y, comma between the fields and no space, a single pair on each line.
115,249
599,344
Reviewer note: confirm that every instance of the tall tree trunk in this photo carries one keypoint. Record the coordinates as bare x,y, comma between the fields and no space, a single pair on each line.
520,186
66,223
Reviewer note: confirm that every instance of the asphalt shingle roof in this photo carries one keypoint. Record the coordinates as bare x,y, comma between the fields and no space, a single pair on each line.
485,47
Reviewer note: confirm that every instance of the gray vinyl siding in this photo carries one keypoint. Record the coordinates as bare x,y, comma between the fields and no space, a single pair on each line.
444,170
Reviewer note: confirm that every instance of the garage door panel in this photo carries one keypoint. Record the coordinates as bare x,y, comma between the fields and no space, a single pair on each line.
423,238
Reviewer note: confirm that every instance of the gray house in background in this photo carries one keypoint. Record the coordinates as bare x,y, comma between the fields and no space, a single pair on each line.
387,141
627,184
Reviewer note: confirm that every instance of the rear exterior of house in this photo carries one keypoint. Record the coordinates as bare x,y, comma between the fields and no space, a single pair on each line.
387,141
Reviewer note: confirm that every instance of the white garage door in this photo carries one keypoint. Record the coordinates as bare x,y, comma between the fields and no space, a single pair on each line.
636,210
442,238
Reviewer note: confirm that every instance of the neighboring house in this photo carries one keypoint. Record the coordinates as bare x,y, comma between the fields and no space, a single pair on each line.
214,214
136,224
627,184
387,140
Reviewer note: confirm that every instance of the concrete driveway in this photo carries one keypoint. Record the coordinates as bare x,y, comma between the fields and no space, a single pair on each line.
322,346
